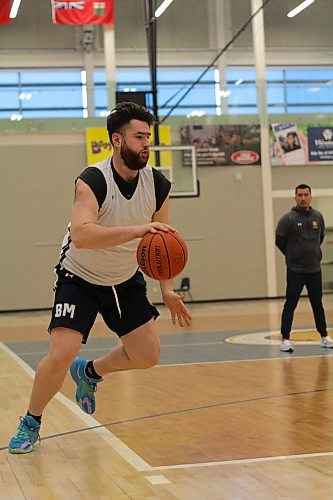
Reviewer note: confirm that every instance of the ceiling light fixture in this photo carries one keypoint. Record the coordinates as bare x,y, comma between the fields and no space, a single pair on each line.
162,7
14,9
299,8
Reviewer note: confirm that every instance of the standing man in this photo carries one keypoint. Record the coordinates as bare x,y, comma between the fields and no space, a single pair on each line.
117,201
299,235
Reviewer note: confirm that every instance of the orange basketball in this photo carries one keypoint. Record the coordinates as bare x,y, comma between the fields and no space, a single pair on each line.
162,255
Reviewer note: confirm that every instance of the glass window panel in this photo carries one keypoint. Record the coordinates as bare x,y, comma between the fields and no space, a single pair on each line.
275,95
51,77
184,75
310,109
309,74
8,77
128,76
314,96
133,75
101,97
243,94
274,74
53,97
187,111
233,75
9,98
52,113
99,76
273,110
169,95
123,87
309,94
5,115
199,95
246,110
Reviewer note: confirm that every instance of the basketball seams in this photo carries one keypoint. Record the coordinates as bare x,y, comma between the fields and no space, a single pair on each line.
181,246
148,255
167,254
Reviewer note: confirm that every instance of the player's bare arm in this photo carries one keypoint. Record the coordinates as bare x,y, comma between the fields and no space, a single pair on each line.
171,299
86,233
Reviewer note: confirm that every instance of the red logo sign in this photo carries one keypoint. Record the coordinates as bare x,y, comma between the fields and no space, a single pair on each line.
245,157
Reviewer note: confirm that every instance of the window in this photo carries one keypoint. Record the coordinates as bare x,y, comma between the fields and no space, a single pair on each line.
292,90
63,93
172,85
309,91
42,94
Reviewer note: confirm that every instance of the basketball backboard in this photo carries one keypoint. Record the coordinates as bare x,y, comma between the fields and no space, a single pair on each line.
178,164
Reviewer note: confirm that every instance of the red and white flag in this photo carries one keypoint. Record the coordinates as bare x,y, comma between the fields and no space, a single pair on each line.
4,11
83,12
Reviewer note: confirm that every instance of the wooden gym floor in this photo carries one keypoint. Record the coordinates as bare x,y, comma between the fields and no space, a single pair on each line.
225,415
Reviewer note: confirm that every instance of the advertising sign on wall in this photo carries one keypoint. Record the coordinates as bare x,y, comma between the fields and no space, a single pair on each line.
320,140
222,145
293,144
98,145
288,143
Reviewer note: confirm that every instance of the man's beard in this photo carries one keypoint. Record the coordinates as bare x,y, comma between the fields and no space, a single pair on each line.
132,159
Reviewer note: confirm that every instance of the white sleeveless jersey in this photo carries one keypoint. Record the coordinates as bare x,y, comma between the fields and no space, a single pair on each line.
111,266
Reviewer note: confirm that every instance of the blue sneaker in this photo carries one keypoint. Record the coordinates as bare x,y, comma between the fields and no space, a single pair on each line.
86,387
26,436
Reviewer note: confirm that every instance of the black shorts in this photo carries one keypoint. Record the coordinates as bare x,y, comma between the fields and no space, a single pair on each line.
123,307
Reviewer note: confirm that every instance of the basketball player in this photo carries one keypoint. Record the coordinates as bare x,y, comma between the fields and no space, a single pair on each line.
299,235
117,201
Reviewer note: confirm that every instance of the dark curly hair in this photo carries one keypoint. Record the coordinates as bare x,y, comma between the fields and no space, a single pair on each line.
302,186
123,113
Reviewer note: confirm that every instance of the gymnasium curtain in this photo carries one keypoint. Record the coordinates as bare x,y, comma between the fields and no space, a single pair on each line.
83,12
4,12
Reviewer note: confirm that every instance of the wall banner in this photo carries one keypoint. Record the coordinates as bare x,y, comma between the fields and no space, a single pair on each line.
98,145
320,141
222,145
293,144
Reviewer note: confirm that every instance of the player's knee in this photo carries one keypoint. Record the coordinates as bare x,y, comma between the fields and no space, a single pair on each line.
149,358
61,359
152,359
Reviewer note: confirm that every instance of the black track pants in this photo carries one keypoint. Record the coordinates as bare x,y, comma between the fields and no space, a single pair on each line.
295,285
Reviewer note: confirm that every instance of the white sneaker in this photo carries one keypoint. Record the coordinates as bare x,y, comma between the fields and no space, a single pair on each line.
326,342
286,346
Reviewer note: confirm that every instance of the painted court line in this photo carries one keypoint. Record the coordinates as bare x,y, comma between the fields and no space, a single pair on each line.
157,479
135,460
244,461
91,348
262,338
284,357
126,453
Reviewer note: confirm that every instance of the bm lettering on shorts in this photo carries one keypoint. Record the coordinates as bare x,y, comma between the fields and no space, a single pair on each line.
64,309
